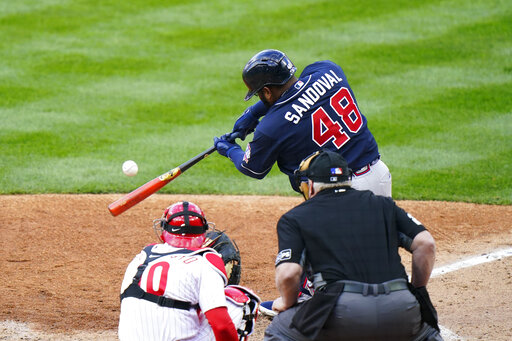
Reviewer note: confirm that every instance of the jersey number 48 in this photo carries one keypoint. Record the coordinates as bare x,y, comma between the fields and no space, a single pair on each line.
326,129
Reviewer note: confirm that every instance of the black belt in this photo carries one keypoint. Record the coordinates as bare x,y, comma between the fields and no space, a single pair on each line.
134,290
374,289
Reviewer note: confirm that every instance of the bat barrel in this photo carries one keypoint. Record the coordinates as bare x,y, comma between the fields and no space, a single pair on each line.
133,198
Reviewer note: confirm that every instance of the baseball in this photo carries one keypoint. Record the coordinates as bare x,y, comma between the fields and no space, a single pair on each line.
130,168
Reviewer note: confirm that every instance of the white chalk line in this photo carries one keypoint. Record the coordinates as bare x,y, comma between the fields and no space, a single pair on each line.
476,260
446,333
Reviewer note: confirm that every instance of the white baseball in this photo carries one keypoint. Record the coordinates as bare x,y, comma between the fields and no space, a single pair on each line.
130,168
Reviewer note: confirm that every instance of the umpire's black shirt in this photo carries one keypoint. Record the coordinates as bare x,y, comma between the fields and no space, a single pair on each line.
346,234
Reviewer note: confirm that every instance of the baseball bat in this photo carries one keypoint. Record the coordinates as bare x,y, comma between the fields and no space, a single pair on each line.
134,197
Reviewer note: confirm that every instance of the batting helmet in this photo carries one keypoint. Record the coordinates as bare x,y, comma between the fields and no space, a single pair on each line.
182,225
268,67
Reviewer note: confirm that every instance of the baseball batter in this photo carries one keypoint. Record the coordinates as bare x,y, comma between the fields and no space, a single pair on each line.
175,290
302,115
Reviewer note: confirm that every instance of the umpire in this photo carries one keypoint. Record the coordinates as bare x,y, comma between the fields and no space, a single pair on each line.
346,241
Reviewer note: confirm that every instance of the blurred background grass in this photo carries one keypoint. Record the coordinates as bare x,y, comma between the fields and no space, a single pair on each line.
86,85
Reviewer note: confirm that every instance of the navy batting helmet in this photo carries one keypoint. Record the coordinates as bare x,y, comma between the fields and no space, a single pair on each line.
268,67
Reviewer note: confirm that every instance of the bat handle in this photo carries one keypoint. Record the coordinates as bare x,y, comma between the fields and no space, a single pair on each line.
196,159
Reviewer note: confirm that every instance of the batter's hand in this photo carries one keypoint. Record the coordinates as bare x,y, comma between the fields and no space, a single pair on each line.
223,145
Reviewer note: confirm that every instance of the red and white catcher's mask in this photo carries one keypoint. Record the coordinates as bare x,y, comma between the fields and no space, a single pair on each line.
182,225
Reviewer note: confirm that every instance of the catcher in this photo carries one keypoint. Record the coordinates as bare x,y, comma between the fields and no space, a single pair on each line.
178,289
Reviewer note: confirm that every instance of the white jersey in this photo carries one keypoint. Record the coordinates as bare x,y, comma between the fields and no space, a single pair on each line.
185,277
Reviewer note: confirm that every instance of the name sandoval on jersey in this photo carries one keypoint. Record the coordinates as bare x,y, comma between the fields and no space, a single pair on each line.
311,95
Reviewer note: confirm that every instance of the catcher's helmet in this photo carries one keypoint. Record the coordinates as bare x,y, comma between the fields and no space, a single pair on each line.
182,225
268,67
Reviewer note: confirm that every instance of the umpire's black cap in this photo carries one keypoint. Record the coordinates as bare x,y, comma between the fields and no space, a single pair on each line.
328,167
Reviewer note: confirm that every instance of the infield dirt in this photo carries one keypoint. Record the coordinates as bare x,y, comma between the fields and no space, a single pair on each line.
63,258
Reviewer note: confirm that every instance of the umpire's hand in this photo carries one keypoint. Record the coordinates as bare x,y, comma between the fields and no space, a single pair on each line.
278,305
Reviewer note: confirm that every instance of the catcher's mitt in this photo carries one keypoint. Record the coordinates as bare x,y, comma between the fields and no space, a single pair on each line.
220,242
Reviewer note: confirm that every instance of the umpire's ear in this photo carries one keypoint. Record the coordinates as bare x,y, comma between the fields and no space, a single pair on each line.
311,189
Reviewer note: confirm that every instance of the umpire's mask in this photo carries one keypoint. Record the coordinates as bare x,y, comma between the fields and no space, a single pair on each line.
300,175
322,166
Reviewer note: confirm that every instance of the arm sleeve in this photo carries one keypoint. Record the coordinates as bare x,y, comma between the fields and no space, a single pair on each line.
222,325
259,109
258,158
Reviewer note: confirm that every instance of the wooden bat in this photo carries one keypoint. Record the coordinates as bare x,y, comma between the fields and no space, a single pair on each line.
150,187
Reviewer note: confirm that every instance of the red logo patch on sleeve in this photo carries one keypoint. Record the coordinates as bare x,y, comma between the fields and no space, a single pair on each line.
247,154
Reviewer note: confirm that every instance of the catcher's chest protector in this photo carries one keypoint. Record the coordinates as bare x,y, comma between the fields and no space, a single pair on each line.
134,290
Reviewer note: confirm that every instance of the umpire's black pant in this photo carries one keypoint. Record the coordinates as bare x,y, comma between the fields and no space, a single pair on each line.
393,316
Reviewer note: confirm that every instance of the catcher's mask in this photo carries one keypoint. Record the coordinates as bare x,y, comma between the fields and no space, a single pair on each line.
322,166
182,225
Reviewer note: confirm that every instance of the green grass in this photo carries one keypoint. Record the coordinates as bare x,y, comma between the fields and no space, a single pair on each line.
86,85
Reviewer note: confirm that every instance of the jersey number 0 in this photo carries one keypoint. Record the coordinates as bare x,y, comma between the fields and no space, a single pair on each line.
326,129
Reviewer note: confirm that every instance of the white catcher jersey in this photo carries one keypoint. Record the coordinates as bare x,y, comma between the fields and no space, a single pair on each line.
186,277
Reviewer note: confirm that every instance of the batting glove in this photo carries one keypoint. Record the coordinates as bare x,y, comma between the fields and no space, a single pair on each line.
224,146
